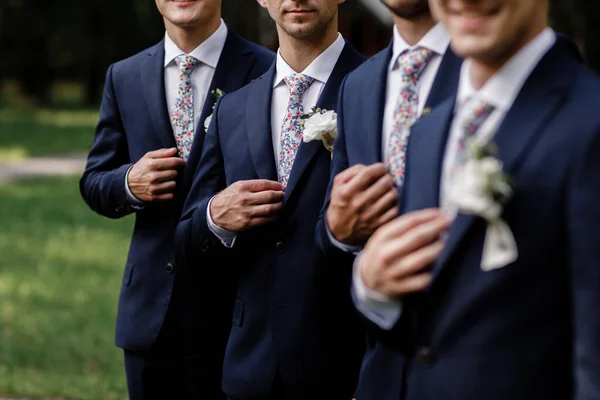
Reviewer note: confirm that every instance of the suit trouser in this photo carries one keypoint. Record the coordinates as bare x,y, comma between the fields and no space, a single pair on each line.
169,371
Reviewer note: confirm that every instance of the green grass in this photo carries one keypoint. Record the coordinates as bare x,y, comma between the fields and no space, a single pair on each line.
29,132
60,274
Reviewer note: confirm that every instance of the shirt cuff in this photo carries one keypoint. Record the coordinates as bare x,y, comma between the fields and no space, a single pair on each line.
131,199
226,237
378,308
344,247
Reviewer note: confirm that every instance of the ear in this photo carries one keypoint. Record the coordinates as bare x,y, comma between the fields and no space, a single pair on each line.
263,3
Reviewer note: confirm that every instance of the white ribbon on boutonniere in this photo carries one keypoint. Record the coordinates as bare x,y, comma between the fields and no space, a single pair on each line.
320,125
480,187
217,94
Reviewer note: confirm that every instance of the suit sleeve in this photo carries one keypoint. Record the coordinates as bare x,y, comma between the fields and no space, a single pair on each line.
102,185
584,234
193,236
339,163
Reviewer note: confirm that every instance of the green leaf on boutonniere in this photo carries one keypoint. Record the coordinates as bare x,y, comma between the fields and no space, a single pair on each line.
217,93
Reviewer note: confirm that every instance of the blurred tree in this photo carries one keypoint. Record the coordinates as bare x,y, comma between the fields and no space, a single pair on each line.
42,41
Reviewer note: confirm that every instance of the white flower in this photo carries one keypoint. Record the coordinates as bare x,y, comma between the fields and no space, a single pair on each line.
475,184
321,125
217,94
481,188
207,122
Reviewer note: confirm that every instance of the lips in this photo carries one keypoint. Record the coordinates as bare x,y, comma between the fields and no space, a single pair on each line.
298,11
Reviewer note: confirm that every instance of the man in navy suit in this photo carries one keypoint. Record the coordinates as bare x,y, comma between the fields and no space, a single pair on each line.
147,146
496,286
375,119
258,191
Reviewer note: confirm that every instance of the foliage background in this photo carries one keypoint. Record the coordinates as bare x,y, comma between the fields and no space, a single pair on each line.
60,264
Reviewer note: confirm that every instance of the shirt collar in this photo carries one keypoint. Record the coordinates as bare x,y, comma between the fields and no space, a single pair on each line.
503,88
436,40
320,69
208,52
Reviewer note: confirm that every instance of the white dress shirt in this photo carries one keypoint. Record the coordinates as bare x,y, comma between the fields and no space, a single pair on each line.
501,91
320,70
208,53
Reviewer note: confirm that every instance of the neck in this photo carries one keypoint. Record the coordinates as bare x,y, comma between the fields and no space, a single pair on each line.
300,53
483,69
188,38
413,30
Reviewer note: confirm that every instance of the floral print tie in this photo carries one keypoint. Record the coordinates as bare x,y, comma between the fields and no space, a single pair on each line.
291,130
412,64
182,117
474,116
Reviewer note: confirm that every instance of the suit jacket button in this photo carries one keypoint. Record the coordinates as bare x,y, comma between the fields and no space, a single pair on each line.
426,356
170,268
280,247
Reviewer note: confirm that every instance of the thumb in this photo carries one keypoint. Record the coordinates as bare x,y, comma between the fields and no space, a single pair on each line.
162,153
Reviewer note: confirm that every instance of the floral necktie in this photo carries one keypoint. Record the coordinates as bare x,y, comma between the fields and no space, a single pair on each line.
473,117
412,64
182,117
291,130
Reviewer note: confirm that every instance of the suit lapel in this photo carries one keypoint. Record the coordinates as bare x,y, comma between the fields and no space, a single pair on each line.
446,81
428,144
375,92
349,59
153,82
258,125
539,98
230,75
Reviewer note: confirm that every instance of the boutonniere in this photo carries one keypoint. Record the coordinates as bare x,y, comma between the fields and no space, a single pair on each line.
320,125
482,188
217,94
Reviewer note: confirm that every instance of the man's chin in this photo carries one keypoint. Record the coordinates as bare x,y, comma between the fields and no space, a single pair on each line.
470,47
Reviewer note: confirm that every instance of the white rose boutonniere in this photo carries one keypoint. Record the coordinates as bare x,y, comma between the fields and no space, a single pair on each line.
217,94
320,125
481,188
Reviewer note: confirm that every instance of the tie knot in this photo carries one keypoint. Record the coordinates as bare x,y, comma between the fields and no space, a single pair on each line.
186,63
475,113
298,83
413,62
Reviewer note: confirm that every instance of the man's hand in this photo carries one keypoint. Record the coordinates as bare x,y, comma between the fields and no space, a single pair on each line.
393,260
362,199
152,178
247,204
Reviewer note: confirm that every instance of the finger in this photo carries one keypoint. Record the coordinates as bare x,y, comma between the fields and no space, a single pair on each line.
261,185
379,198
348,174
164,197
413,284
415,262
261,221
266,197
366,177
266,210
412,240
407,221
387,217
165,187
164,176
164,164
162,153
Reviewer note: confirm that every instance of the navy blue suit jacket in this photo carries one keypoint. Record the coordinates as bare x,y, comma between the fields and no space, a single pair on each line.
530,330
133,121
361,107
293,314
